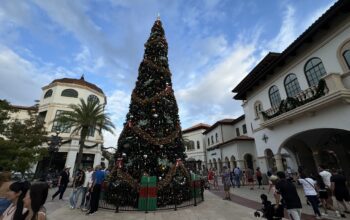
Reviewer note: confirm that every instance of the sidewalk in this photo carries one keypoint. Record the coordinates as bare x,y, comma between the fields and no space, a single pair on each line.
251,199
213,208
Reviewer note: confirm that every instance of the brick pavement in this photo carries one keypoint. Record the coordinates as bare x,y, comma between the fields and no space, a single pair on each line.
252,204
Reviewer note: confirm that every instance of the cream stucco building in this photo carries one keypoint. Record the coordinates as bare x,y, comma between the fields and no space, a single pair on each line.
56,98
196,148
296,102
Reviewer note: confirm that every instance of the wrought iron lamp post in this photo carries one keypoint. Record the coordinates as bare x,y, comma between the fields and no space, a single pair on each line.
54,144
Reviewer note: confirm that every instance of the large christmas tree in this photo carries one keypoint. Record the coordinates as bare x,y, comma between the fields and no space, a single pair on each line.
151,137
151,142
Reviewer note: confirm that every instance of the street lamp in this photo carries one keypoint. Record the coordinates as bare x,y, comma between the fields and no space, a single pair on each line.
54,144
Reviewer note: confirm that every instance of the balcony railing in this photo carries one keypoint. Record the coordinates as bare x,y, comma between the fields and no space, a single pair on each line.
300,99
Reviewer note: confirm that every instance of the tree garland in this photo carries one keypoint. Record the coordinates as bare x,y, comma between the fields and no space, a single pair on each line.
124,176
156,97
154,66
153,140
169,177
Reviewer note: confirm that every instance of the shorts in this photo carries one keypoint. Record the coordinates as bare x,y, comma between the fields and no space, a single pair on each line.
323,194
226,187
342,195
250,180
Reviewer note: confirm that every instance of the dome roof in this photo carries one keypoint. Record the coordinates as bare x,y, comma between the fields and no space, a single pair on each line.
80,81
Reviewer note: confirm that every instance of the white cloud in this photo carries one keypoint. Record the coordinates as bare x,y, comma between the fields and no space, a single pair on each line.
210,96
21,79
287,32
86,61
117,106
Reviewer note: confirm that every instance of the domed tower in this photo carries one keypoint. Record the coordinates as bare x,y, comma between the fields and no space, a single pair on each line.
56,98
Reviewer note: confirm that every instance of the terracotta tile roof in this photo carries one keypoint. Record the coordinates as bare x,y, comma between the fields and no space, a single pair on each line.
196,127
80,81
239,138
30,108
226,121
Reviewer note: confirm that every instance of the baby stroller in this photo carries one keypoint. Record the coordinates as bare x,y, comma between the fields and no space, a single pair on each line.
268,210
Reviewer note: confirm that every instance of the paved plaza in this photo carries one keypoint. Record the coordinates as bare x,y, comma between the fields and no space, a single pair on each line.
212,208
244,203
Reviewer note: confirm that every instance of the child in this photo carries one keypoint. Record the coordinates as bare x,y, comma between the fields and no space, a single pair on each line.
269,211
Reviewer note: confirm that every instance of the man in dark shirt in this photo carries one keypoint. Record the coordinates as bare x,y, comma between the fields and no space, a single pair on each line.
340,190
63,181
291,199
98,179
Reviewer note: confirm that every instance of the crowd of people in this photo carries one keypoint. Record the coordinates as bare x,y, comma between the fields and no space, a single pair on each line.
87,184
319,190
22,200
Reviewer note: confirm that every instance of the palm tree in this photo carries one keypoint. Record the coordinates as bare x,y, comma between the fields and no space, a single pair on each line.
84,117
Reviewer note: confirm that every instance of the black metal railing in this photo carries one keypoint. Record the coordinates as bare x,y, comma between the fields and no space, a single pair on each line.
300,99
124,198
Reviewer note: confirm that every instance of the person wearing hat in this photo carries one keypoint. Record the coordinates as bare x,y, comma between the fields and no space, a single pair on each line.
63,181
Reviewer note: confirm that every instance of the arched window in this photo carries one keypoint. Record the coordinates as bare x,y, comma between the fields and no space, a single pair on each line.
292,85
275,98
198,145
48,94
208,142
346,56
190,145
257,108
69,93
314,70
343,54
93,98
216,137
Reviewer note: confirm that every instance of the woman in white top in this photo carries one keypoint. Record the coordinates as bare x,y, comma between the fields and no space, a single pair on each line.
16,194
34,201
309,186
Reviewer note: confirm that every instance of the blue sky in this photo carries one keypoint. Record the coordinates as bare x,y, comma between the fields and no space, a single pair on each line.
213,44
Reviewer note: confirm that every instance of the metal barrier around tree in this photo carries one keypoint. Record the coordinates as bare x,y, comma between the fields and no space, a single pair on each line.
125,198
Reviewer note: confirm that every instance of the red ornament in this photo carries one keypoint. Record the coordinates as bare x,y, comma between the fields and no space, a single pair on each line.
168,88
178,162
129,124
119,163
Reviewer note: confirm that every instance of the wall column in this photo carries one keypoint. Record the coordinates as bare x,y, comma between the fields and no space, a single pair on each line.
240,164
70,161
97,160
279,163
262,163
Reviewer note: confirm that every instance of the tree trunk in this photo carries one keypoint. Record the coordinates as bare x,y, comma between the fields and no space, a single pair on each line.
83,135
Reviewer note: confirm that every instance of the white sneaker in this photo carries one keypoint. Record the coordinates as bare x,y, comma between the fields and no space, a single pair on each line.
337,214
324,214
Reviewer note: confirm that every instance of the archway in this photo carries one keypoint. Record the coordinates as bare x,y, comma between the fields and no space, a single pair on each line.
220,165
326,146
215,164
191,164
270,159
248,161
233,161
227,163
199,165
